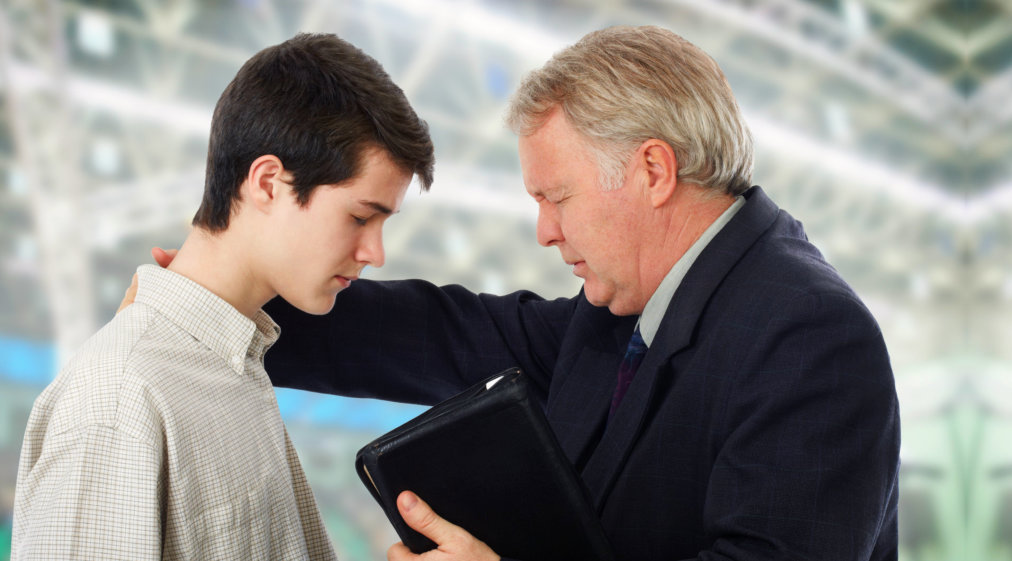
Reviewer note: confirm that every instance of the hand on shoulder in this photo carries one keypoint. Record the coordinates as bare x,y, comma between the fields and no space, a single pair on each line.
163,257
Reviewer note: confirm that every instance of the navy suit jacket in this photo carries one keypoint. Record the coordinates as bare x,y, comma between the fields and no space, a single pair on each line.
762,424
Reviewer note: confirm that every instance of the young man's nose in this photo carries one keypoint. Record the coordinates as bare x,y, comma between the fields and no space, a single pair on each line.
370,251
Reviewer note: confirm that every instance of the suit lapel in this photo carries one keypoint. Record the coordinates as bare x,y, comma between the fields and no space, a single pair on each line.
578,406
713,264
622,430
581,420
674,334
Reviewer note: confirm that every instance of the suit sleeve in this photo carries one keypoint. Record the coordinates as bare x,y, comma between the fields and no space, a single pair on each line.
808,469
412,341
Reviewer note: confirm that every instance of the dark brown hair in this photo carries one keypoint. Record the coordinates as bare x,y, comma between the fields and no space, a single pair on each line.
316,102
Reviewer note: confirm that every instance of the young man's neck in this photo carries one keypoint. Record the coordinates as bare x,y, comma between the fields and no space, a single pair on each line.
216,261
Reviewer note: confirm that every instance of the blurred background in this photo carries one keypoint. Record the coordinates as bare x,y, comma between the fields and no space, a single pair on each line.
883,125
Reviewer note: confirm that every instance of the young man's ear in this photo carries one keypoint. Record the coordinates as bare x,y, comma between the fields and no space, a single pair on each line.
266,182
661,167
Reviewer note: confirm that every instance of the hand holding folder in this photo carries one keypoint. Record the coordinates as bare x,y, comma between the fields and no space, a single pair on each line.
487,461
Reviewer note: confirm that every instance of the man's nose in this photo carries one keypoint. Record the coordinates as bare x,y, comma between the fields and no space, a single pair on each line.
370,250
549,230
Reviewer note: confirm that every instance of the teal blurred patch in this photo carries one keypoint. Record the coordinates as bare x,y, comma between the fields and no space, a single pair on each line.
5,541
348,537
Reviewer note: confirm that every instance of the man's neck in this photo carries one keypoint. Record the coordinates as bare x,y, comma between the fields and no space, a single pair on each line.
659,302
688,214
219,264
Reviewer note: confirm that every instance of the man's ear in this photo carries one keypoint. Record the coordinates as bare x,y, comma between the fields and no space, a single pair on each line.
266,181
661,167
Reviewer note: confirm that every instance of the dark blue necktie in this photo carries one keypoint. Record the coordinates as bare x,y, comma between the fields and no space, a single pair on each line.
630,363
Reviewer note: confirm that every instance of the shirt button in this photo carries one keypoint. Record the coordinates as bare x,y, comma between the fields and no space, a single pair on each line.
237,361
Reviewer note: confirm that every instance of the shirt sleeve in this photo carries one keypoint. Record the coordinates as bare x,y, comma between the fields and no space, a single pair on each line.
93,493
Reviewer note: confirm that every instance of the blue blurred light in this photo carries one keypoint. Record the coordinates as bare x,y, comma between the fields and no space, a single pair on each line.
26,361
497,80
348,413
32,362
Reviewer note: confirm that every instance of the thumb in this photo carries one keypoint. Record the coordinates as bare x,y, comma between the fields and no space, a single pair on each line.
162,256
131,293
420,516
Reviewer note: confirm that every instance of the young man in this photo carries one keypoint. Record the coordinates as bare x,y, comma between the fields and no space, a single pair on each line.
161,438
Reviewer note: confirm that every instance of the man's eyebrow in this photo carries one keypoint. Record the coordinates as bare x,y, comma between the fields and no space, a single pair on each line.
548,192
382,209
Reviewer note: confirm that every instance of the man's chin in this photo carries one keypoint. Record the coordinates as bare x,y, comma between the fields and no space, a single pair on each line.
318,307
620,310
592,297
615,306
599,302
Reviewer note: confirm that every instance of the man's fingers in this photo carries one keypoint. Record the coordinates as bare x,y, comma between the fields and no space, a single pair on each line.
163,256
129,295
399,552
424,520
453,542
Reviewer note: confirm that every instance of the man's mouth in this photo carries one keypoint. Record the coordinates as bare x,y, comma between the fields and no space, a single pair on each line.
345,281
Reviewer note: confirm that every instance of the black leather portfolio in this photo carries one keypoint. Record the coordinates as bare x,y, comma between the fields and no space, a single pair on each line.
487,461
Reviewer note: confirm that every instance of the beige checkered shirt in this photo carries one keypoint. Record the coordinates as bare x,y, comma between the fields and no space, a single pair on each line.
161,439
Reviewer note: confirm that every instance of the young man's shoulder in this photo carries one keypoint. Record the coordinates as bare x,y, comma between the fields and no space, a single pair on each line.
118,378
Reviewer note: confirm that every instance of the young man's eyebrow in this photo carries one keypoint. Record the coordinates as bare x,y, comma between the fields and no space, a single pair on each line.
377,207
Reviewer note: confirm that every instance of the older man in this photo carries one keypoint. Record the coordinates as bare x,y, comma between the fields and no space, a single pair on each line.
722,391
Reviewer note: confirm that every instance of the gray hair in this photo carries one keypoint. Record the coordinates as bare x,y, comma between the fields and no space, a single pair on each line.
624,85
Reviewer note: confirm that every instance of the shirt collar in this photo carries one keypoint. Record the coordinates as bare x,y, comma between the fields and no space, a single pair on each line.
205,316
653,312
